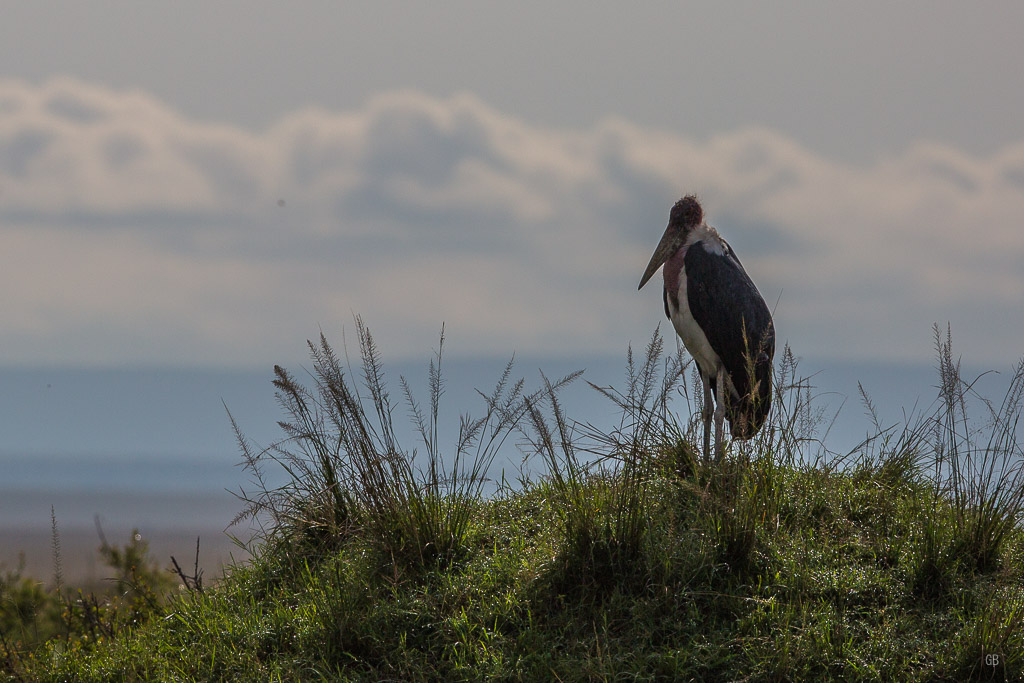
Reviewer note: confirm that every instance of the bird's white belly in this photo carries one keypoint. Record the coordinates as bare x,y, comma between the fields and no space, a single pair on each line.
694,339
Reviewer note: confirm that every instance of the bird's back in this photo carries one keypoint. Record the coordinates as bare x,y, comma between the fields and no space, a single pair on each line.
727,306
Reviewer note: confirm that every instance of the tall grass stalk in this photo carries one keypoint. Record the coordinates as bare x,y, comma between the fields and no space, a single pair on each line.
347,472
602,478
980,467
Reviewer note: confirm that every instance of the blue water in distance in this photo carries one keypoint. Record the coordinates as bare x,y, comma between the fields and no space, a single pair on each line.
157,444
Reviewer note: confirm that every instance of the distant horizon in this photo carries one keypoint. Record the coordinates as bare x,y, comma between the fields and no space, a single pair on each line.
407,359
115,412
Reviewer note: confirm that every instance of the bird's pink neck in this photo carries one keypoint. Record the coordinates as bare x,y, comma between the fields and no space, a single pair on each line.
672,269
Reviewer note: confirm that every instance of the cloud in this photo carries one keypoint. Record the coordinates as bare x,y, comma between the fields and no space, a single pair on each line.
129,233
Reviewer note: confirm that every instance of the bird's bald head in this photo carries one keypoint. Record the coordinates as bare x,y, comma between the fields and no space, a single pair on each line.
686,213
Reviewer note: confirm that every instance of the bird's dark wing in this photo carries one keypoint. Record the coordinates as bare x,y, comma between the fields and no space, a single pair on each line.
737,323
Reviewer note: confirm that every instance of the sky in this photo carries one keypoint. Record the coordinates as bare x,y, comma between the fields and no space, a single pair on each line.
197,184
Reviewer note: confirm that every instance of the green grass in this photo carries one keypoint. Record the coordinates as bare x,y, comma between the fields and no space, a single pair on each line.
629,559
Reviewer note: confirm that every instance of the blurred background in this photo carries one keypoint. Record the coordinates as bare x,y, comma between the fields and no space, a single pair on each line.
190,191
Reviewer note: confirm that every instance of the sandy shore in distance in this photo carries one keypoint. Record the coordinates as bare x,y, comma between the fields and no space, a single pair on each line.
81,562
169,521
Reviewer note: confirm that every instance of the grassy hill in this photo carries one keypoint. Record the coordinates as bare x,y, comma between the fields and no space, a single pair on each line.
631,557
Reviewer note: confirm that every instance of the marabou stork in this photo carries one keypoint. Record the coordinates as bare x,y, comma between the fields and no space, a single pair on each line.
722,319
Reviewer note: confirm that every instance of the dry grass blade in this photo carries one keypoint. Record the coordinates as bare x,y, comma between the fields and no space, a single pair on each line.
348,474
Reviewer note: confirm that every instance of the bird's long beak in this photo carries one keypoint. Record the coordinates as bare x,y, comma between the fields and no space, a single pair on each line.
666,247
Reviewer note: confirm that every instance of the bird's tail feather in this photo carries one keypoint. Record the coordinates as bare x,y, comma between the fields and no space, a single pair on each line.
748,414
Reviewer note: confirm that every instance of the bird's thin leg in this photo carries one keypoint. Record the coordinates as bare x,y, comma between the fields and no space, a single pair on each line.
719,414
706,414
